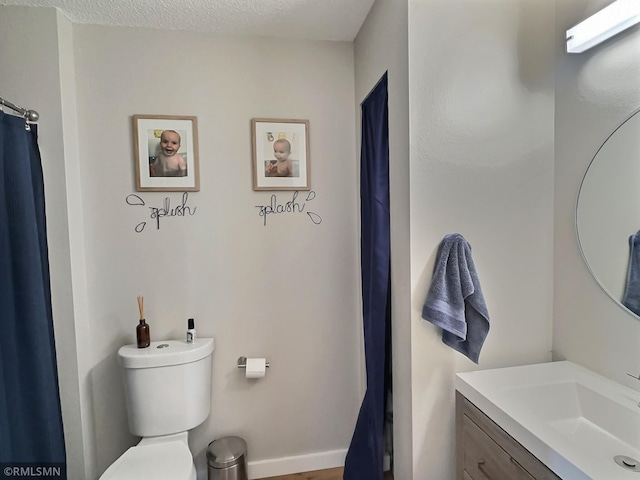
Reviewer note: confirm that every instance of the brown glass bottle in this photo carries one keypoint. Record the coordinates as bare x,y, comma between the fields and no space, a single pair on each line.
142,334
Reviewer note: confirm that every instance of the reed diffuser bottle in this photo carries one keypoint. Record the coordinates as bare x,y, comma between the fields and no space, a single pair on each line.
142,330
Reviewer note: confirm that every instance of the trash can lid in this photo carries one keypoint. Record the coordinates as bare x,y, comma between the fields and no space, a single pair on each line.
226,452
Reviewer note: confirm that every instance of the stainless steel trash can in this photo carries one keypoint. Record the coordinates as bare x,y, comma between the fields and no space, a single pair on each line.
227,459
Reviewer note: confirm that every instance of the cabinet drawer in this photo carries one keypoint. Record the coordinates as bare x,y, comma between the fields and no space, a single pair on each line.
485,460
480,439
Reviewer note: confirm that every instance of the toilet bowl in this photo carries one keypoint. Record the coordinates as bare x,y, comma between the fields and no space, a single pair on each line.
168,392
161,458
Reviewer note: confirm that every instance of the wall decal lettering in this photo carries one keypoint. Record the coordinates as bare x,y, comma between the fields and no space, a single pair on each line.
166,210
291,206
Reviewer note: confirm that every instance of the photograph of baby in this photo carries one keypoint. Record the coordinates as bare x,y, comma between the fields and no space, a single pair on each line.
280,154
169,154
166,150
286,163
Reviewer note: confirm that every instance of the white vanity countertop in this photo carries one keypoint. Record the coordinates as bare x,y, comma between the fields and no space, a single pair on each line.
572,419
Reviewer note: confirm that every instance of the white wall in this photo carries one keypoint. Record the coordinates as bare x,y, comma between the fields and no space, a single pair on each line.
595,91
382,45
481,92
286,291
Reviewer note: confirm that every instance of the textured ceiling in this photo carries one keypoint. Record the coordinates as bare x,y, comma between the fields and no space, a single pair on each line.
310,19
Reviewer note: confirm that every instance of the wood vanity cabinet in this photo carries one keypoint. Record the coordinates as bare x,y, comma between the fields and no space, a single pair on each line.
484,451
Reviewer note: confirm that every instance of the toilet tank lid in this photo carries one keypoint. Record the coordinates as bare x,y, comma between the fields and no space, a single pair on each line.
164,353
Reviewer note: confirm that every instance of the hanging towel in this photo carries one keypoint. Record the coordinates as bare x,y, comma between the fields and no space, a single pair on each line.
631,297
455,302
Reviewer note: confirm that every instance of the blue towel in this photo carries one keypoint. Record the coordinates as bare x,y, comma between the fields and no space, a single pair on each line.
455,302
631,297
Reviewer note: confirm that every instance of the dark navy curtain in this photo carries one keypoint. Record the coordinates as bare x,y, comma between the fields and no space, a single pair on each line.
366,453
31,432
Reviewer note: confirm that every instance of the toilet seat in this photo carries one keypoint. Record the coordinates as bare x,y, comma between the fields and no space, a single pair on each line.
169,460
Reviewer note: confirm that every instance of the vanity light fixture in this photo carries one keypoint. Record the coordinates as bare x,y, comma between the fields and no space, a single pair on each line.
602,25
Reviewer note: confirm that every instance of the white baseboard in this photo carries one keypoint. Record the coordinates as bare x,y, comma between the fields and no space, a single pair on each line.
299,463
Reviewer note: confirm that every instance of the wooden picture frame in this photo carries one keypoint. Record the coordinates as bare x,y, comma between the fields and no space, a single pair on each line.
288,168
173,168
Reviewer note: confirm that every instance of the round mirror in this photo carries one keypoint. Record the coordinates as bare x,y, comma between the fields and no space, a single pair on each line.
608,214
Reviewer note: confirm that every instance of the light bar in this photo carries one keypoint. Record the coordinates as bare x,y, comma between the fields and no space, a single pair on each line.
602,25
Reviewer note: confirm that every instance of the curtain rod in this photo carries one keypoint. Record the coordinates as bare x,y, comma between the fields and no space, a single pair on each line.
29,115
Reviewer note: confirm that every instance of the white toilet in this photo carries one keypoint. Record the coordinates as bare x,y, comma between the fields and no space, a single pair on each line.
168,392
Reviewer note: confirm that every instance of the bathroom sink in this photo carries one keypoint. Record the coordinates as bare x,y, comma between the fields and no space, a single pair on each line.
583,414
574,420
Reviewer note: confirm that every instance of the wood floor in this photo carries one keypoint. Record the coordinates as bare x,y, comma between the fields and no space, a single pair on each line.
330,474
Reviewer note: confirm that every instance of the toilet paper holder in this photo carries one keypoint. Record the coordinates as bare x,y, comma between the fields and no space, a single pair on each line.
242,362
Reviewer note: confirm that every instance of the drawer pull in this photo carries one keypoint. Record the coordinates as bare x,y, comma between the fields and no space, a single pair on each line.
481,468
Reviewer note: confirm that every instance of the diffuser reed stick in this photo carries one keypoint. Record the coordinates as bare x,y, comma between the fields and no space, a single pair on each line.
142,330
141,306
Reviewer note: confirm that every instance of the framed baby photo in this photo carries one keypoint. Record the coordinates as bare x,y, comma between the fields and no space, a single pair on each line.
280,154
166,153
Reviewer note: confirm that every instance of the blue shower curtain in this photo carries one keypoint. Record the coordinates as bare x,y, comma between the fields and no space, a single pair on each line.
366,453
31,434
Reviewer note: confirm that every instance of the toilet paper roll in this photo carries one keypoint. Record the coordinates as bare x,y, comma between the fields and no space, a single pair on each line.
256,367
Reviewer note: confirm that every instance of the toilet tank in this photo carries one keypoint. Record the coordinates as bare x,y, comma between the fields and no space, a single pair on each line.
167,385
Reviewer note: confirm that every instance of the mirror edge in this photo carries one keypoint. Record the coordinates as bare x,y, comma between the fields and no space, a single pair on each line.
617,301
